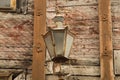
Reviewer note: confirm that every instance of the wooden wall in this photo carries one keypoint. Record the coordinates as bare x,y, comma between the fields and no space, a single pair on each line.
16,32
82,18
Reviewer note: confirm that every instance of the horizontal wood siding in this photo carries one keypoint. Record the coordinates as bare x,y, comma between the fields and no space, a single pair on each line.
82,18
116,37
50,77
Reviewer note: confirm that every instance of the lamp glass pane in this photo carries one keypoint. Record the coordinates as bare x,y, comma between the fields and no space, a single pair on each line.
49,44
59,40
47,55
69,42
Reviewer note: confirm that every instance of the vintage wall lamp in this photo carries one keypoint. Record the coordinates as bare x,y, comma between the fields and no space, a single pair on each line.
58,41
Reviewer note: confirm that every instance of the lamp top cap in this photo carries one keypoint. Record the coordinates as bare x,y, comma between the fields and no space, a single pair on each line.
58,18
58,28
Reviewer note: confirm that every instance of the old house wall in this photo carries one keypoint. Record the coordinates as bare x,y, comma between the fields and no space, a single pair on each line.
16,31
81,16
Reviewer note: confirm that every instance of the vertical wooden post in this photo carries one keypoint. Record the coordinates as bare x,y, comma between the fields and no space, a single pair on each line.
38,72
106,49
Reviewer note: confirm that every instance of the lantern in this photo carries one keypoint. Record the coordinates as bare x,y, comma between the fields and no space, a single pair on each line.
58,41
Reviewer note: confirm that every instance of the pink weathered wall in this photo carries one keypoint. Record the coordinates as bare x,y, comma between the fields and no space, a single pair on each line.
16,38
81,16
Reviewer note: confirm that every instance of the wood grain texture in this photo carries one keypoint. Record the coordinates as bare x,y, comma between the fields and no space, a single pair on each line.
82,70
78,2
106,49
117,78
117,62
82,19
77,70
84,62
52,77
38,72
14,64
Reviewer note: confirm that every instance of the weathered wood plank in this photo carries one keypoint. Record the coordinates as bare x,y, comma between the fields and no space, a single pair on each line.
4,74
116,18
77,2
9,71
16,55
14,64
116,46
86,41
88,46
116,43
82,70
84,54
3,78
115,9
84,62
88,36
78,31
79,12
52,77
116,31
84,44
20,49
117,78
79,70
80,22
80,46
51,3
117,61
116,37
29,77
74,15
77,53
84,3
116,25
83,59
